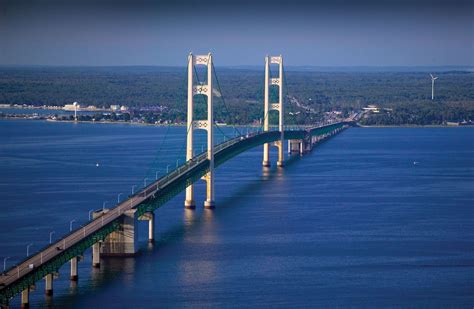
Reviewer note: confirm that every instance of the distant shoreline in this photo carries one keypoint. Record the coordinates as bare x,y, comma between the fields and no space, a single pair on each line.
226,125
257,67
116,122
414,126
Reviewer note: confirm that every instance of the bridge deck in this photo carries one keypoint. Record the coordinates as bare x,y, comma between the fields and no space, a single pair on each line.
36,266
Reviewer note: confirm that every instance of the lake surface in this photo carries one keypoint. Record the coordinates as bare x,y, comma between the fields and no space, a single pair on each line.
378,217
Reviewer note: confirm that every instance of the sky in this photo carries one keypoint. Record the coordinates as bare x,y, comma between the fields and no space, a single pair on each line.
313,33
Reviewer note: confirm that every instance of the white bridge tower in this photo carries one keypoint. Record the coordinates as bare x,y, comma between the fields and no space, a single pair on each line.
278,81
197,89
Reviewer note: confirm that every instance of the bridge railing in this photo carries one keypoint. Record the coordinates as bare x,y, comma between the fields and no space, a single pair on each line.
50,251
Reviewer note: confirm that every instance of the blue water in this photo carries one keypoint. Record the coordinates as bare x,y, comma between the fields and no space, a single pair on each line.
353,224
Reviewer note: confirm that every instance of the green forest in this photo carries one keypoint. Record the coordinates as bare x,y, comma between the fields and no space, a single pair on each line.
406,94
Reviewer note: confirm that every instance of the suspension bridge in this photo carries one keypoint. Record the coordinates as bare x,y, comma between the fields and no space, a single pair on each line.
113,231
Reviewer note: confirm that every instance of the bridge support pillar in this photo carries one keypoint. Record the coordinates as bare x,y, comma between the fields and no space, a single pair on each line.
74,273
48,285
124,241
266,155
150,217
151,228
25,298
281,155
96,255
306,146
295,146
96,246
190,204
209,202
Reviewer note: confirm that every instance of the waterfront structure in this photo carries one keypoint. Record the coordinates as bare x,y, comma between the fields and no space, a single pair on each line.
72,107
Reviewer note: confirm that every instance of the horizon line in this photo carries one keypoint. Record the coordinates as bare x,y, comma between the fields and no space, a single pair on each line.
294,68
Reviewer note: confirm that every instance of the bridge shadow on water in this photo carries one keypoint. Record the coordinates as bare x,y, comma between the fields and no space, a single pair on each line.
122,270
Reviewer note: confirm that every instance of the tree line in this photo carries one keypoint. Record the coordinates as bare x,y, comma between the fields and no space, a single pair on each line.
408,94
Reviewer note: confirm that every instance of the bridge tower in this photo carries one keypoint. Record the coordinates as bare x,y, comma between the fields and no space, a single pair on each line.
205,124
278,81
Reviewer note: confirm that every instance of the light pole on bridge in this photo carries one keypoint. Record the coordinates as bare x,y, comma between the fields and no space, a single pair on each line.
144,182
5,263
156,174
177,163
28,249
51,237
90,214
70,224
167,168
103,205
118,198
133,189
83,229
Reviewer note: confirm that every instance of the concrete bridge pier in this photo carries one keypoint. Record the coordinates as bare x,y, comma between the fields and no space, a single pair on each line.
96,247
96,255
151,228
74,274
281,155
48,285
266,155
209,202
124,241
150,217
25,298
306,146
295,146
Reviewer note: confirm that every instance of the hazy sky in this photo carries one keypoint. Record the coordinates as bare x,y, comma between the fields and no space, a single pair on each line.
319,32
